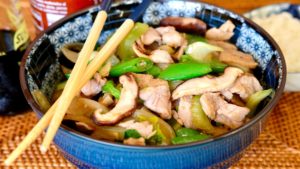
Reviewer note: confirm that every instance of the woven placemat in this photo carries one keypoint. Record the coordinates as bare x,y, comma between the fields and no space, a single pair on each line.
277,147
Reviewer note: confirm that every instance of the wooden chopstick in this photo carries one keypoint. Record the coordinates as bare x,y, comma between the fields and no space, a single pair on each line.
92,67
82,60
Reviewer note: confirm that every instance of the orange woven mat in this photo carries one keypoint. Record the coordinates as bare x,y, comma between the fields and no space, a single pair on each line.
277,147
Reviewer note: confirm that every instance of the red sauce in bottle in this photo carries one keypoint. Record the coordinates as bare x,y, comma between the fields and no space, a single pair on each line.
46,12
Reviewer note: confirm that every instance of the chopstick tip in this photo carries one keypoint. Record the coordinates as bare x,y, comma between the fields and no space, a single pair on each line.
43,149
7,162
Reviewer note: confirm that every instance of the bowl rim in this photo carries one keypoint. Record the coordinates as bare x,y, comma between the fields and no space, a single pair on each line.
260,115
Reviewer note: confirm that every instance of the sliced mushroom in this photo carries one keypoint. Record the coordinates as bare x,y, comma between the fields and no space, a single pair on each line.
223,33
244,86
216,108
237,58
190,25
93,86
144,128
71,51
204,84
124,107
150,37
223,44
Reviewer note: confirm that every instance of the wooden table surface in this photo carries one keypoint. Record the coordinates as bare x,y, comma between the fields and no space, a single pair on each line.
238,6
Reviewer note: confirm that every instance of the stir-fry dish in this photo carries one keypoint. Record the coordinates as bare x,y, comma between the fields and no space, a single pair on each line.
176,83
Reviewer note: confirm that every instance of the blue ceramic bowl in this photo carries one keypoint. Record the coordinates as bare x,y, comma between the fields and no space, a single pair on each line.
40,70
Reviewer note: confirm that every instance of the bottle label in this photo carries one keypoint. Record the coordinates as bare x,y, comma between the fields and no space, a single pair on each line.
21,36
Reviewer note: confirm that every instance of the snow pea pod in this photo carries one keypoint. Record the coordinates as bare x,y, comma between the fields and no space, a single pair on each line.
109,87
216,65
183,71
188,139
154,71
136,65
184,132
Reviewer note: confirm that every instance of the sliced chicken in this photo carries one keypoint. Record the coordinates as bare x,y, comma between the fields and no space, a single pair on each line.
244,86
184,111
150,37
205,84
237,58
125,106
144,128
180,51
146,80
216,108
157,99
93,86
161,56
171,37
156,94
135,141
223,33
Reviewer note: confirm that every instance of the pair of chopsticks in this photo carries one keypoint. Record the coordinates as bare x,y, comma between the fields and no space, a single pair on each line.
81,73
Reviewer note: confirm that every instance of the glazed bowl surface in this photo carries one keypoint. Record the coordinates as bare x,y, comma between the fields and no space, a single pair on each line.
40,69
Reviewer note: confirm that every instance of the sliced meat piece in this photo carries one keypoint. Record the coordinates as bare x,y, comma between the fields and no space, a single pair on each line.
156,94
165,29
157,99
237,58
93,86
190,25
205,84
223,44
135,141
150,37
223,33
145,128
170,36
161,56
146,80
181,50
125,106
184,111
216,108
244,86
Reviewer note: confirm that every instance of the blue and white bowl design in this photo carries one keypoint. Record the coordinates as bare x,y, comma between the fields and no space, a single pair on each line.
40,70
292,79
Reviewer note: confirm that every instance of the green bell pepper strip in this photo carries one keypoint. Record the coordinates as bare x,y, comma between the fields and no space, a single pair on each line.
194,38
184,71
199,118
109,87
132,133
255,99
189,139
184,132
154,71
136,65
124,50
